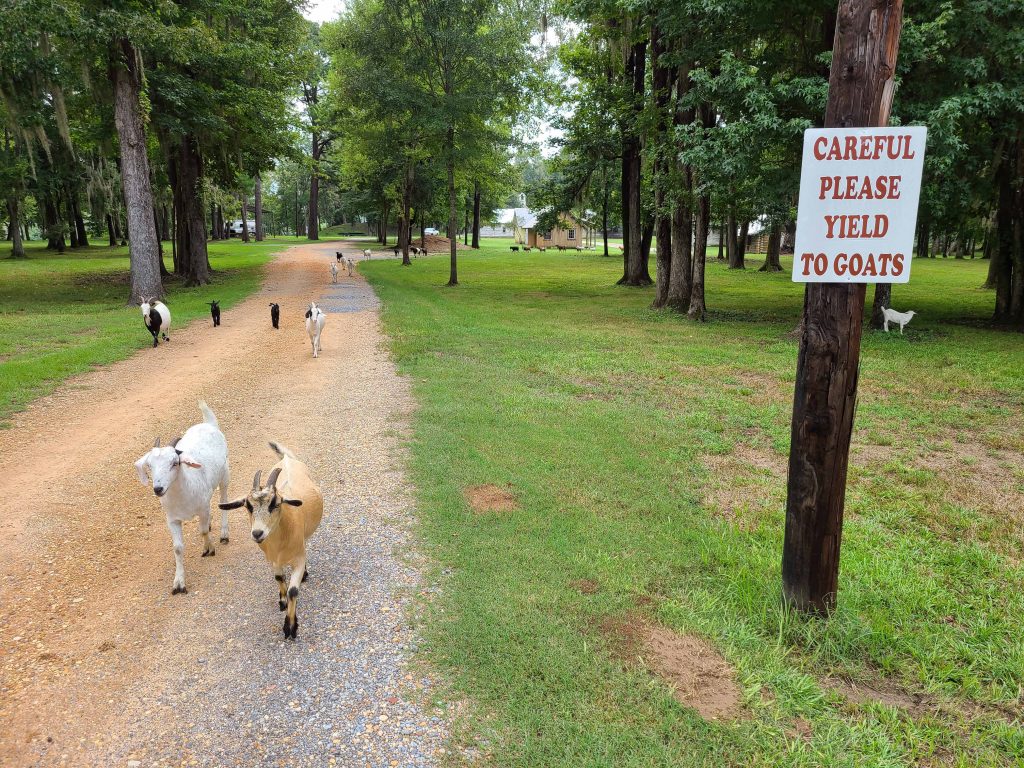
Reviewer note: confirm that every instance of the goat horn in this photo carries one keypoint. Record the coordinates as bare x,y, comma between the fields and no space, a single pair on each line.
157,443
272,480
174,442
256,480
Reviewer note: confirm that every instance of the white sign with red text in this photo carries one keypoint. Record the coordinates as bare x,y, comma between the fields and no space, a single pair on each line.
859,190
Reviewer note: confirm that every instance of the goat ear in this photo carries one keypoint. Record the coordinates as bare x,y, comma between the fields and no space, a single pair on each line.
140,468
293,502
188,462
232,504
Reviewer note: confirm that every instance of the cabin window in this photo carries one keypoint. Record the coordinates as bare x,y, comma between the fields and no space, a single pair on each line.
547,235
572,234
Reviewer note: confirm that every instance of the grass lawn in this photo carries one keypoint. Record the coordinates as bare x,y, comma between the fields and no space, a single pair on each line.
647,457
61,315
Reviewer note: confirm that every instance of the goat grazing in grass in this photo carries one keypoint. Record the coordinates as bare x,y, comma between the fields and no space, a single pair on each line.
900,318
275,314
184,475
283,514
157,318
334,272
215,312
315,321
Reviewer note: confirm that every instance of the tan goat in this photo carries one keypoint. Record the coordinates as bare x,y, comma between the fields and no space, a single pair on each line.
283,514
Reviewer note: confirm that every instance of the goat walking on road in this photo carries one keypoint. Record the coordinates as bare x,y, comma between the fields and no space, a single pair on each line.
315,321
157,318
283,514
184,475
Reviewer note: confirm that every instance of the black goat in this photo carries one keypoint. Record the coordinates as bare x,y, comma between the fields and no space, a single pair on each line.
275,314
215,312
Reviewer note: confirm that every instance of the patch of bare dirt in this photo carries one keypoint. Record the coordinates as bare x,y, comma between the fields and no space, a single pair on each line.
976,477
700,678
880,692
758,387
585,586
438,244
745,484
490,498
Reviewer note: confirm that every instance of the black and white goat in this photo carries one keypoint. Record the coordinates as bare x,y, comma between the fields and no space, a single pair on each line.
157,318
184,475
215,312
275,314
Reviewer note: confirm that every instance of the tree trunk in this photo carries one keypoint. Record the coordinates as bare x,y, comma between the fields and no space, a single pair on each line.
243,200
772,263
860,94
83,235
69,208
923,238
192,253
661,75
126,76
423,235
258,205
476,215
314,190
1008,258
604,211
159,245
721,241
405,223
636,269
17,245
112,238
741,244
733,244
883,298
680,285
698,310
453,276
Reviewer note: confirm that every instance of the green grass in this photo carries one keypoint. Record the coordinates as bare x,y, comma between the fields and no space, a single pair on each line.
61,315
648,454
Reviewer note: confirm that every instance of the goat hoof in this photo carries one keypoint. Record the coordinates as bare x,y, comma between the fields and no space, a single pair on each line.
305,575
223,539
281,605
210,553
179,591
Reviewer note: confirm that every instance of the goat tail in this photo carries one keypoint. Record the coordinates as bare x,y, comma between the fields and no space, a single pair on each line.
208,415
281,450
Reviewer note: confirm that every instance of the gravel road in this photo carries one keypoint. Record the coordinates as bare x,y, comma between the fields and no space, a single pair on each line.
101,665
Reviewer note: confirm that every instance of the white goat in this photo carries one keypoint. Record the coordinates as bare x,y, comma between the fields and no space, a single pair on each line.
315,321
157,318
184,475
900,318
367,254
283,515
350,265
334,272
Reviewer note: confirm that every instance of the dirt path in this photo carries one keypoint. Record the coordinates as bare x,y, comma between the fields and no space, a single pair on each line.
100,665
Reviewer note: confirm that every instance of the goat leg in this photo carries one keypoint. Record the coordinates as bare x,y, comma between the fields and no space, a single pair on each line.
174,526
279,578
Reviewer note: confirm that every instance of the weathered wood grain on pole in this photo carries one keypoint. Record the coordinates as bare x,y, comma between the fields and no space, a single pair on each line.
860,95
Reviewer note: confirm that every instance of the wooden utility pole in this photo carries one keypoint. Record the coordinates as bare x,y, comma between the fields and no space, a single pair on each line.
860,94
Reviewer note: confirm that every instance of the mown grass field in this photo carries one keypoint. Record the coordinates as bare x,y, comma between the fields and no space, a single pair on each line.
61,315
647,456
